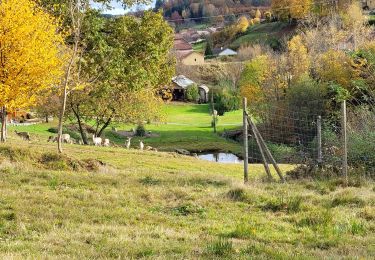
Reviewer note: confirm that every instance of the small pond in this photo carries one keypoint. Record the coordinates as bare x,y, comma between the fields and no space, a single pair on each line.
220,157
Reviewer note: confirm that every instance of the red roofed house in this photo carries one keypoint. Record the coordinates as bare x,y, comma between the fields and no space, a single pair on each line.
185,53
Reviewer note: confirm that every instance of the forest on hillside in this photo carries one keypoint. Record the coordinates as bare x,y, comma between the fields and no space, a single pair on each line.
183,9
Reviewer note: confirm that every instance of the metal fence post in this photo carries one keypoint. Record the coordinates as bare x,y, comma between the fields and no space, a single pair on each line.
344,141
245,142
319,140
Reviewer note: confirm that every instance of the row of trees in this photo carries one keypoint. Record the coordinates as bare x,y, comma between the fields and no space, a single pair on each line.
230,32
184,9
179,10
299,9
94,68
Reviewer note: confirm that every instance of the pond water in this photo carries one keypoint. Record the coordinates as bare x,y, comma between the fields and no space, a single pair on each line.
220,157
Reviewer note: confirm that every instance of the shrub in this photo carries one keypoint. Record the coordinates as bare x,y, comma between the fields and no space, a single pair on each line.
192,93
208,51
140,131
226,101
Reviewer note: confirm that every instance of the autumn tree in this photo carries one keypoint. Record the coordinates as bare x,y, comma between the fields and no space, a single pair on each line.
298,59
29,55
242,24
291,9
121,78
258,14
72,13
335,66
253,78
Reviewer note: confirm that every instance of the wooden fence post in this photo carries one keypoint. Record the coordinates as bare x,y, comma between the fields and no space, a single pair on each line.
214,113
261,150
319,140
344,141
245,141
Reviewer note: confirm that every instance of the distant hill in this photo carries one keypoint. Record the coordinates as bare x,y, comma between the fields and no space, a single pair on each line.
187,9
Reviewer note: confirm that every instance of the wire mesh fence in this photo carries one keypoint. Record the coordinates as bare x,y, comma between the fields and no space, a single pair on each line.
305,134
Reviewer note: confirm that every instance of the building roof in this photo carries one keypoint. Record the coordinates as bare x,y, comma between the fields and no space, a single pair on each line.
182,81
205,88
228,52
181,44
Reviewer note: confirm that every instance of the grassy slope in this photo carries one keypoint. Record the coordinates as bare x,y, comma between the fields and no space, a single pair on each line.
261,33
200,47
167,206
187,126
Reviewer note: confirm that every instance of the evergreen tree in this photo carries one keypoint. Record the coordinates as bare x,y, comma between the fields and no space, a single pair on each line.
208,51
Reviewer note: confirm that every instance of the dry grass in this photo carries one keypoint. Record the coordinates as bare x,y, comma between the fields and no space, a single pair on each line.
166,206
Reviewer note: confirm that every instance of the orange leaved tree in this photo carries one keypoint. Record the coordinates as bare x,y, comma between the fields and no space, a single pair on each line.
29,55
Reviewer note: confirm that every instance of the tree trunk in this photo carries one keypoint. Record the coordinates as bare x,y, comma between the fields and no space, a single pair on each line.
76,26
47,121
106,124
81,131
3,124
61,118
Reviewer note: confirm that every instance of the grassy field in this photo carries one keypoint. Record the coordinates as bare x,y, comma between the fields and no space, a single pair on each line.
262,33
186,126
104,203
166,206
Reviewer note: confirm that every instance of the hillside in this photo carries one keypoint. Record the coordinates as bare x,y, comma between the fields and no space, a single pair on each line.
185,10
159,205
267,33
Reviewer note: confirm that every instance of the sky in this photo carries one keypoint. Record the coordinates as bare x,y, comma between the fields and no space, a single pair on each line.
117,8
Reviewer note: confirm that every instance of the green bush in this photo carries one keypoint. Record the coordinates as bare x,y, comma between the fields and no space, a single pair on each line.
140,131
226,100
192,93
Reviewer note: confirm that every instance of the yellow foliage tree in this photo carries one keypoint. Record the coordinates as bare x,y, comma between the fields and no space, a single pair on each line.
242,24
291,9
298,58
256,72
258,14
256,21
335,66
29,54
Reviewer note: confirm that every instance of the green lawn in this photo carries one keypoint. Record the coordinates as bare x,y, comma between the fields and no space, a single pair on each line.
147,205
186,126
